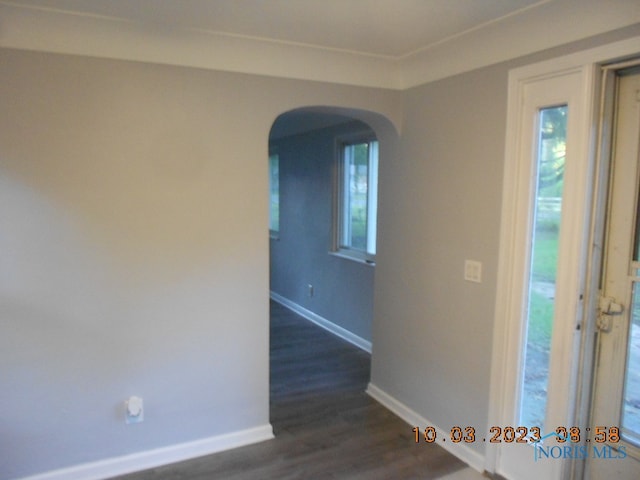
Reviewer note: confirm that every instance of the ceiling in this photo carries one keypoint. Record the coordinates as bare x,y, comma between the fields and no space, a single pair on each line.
388,28
393,44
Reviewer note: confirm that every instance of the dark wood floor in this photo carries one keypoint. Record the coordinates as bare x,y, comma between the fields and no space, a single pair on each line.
326,426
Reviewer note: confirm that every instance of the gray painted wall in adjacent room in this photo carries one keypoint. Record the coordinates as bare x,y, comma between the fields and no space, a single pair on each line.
343,288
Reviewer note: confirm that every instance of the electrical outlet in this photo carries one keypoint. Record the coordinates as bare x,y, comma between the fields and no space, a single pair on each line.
473,271
134,410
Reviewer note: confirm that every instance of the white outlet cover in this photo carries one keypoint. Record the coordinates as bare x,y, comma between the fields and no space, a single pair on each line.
134,410
473,271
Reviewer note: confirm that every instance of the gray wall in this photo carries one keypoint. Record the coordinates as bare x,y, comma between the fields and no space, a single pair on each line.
440,203
134,255
343,289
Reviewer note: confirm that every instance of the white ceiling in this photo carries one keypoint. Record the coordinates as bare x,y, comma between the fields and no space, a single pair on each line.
378,43
389,28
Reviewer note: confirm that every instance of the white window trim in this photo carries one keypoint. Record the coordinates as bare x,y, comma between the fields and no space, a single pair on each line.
339,188
514,237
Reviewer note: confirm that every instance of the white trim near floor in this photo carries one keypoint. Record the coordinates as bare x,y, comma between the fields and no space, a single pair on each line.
459,450
337,330
147,459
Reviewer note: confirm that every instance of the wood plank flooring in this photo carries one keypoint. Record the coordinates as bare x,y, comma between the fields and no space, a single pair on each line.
326,426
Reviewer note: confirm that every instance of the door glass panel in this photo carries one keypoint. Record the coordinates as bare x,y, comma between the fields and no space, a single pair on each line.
631,400
551,150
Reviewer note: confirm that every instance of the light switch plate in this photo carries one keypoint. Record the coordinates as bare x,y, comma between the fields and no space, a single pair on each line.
473,271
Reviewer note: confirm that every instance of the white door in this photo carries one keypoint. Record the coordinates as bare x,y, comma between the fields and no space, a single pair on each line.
543,251
613,434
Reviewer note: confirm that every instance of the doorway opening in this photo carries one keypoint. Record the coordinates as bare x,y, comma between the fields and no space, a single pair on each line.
323,165
323,214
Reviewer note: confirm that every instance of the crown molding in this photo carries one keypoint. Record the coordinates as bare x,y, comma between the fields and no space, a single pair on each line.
547,25
106,37
552,24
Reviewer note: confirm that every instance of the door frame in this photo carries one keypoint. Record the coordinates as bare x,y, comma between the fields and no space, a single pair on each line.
603,208
582,276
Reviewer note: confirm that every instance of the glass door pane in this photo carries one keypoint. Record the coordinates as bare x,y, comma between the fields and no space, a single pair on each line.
631,400
551,150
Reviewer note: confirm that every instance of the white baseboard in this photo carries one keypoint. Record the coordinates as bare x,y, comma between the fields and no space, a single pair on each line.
337,330
460,450
158,457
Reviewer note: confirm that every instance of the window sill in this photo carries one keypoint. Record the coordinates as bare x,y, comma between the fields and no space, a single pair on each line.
353,258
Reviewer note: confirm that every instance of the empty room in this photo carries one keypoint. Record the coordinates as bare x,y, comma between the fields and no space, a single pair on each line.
347,239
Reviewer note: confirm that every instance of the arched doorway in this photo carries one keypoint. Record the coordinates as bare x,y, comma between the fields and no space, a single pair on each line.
312,273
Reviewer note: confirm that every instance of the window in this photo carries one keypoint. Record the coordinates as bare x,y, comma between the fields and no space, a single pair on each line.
550,164
357,199
274,195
